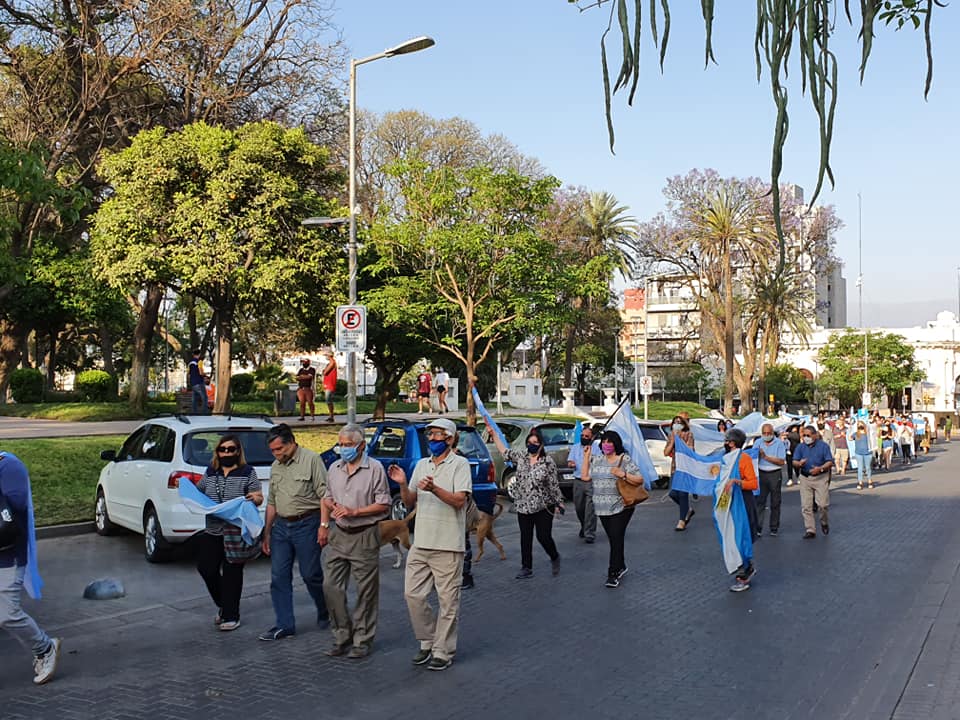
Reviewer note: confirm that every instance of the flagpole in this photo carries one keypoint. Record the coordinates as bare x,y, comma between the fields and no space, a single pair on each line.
623,402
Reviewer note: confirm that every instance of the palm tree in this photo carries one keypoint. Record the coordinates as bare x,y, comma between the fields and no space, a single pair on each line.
604,231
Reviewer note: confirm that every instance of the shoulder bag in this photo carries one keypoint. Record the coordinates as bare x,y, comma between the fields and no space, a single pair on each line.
631,494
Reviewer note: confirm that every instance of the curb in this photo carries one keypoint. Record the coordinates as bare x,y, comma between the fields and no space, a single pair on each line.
55,531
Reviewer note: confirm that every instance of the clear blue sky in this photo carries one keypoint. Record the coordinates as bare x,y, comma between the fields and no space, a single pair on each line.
530,70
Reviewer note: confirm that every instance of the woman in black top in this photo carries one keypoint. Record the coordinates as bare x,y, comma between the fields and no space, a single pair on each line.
228,477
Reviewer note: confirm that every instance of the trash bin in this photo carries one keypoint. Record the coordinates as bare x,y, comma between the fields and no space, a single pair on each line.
284,401
185,402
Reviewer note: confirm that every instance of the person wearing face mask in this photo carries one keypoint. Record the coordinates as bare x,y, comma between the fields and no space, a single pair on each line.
228,477
438,488
356,500
605,469
813,459
680,428
582,489
773,456
536,495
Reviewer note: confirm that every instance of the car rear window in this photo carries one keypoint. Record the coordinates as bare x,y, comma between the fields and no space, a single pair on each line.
470,445
198,446
652,432
556,435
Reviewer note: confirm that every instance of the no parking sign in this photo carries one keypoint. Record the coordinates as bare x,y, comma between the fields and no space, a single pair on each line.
351,328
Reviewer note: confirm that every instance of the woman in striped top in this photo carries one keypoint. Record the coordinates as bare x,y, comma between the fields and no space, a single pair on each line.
605,469
228,477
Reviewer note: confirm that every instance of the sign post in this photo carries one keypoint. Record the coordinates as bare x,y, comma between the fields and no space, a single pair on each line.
646,389
351,339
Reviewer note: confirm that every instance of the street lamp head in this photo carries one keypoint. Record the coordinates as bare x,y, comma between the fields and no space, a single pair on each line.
324,221
413,45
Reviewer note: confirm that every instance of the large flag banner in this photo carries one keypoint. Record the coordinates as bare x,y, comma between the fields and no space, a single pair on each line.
625,423
239,512
478,403
694,473
730,515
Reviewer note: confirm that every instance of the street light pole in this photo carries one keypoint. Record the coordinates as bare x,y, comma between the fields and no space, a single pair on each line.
419,43
646,347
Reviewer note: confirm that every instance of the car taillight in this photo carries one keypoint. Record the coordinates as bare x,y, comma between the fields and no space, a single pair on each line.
173,482
492,474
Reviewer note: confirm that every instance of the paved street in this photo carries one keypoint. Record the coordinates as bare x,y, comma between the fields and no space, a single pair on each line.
862,624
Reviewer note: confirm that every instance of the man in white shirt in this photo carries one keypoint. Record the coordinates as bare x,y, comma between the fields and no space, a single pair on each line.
439,489
773,456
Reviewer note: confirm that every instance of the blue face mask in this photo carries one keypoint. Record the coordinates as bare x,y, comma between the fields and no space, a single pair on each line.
438,447
348,454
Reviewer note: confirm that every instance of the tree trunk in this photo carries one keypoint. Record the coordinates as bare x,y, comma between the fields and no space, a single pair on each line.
224,325
12,338
106,349
142,347
50,361
471,368
728,346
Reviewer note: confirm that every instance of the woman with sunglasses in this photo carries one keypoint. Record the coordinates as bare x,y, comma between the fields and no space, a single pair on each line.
227,477
535,490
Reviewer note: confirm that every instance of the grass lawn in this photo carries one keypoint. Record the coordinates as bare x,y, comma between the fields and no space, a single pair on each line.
63,474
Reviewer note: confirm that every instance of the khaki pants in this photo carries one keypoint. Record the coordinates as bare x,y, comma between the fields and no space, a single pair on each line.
814,489
841,458
426,570
352,555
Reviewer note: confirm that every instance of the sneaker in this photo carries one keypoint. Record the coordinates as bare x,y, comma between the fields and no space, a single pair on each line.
358,652
789,483
422,657
774,533
746,575
439,663
46,665
589,540
555,566
612,582
621,573
739,586
809,535
467,582
275,633
228,625
524,574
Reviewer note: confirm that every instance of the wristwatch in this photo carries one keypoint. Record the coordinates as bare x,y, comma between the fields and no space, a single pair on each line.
325,525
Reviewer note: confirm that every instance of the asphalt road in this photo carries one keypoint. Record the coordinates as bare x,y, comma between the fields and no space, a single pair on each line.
860,624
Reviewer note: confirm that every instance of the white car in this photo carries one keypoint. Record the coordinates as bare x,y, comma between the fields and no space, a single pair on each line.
138,488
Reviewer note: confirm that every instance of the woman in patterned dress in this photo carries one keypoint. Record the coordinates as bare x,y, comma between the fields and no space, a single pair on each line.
536,495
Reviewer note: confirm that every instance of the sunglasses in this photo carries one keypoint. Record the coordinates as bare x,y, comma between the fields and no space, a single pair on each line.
228,449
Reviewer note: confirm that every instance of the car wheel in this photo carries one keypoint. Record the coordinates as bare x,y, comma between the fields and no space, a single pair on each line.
398,511
101,516
155,546
507,477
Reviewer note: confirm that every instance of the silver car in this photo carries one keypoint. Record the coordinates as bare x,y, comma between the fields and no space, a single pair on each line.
557,438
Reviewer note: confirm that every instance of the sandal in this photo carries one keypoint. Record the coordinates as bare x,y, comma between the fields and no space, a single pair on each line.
681,526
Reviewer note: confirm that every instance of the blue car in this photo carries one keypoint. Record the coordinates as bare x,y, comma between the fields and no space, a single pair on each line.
404,442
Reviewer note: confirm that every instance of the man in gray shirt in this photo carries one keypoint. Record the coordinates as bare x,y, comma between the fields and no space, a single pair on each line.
773,456
357,498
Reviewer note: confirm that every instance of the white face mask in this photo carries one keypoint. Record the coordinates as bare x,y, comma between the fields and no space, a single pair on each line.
677,427
768,438
807,440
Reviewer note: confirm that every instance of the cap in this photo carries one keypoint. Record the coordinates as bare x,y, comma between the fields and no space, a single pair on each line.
448,426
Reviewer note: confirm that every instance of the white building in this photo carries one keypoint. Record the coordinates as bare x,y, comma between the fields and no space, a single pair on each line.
937,351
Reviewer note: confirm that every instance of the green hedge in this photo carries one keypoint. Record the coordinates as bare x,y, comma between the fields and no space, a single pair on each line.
26,385
242,384
95,385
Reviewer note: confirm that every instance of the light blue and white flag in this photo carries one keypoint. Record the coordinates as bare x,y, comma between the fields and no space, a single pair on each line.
624,422
730,515
239,512
694,473
478,403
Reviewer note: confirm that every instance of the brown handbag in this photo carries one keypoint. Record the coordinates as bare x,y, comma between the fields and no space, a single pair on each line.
631,494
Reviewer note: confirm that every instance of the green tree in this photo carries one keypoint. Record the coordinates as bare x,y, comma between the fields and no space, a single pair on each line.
807,26
467,262
788,384
215,213
891,366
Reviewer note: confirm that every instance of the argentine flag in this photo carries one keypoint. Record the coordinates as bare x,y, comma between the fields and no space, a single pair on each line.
730,515
713,477
624,422
239,512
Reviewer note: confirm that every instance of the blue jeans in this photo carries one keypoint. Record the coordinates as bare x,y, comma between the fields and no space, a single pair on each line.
864,461
682,500
199,400
12,617
289,541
